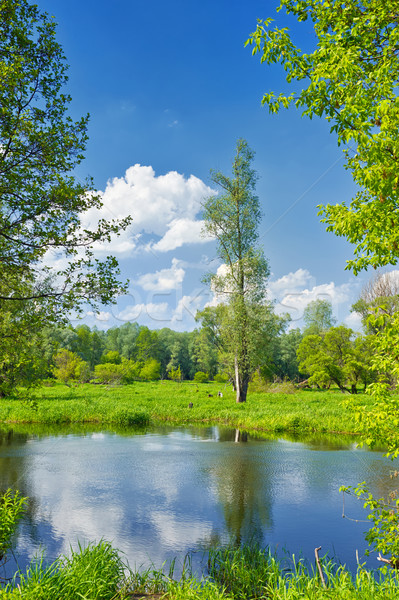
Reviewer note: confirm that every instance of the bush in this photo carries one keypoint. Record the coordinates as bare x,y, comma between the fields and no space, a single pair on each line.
112,356
151,370
70,367
201,377
175,374
108,373
221,378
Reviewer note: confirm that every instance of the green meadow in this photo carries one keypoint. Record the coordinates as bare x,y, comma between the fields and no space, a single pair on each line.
273,411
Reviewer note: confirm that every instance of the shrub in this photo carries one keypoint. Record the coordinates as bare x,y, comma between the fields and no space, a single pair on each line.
70,367
151,370
112,356
108,373
201,377
221,378
175,374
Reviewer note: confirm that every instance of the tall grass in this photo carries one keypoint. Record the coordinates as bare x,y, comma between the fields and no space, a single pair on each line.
92,573
248,573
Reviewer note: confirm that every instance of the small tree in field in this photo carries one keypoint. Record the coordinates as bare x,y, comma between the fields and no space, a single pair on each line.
232,218
175,374
69,367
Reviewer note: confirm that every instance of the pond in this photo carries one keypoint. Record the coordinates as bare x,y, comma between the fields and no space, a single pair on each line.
159,493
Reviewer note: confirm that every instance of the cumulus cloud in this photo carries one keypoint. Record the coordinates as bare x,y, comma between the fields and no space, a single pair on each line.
294,291
153,311
290,283
354,321
176,311
181,231
165,279
165,206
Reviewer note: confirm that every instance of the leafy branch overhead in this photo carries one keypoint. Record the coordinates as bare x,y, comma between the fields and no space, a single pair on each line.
350,77
41,201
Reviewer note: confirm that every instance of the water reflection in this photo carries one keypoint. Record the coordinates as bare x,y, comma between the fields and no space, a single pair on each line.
159,493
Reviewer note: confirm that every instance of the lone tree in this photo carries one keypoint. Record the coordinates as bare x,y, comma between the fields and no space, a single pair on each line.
232,217
41,202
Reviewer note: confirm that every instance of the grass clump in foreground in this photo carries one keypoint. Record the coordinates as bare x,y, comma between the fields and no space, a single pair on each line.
141,403
248,573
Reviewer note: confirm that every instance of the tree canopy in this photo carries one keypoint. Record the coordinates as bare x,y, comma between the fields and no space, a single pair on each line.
41,201
350,77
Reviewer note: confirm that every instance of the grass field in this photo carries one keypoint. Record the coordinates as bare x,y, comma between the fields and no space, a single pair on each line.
166,401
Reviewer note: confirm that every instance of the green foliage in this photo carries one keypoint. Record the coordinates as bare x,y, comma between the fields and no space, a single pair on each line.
381,423
336,357
175,374
384,513
349,77
41,202
109,373
318,317
151,370
379,295
232,218
112,357
95,572
70,368
284,363
221,378
201,377
12,507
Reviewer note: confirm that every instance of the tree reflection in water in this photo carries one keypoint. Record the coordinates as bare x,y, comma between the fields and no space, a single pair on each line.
241,480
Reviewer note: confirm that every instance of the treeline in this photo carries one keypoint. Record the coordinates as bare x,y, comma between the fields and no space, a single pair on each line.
320,355
134,352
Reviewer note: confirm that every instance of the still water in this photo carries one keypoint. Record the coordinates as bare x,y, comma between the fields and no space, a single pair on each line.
160,493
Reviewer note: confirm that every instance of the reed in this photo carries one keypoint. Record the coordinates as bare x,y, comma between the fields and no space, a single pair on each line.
247,573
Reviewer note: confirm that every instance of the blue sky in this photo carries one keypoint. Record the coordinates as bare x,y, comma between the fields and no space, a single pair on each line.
170,88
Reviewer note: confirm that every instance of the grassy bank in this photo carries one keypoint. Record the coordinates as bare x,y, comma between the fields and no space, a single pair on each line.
97,572
141,403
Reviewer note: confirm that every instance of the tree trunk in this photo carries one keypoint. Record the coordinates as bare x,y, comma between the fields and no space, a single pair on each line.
241,383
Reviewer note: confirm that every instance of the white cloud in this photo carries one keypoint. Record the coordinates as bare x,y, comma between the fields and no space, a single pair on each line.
291,283
181,231
354,321
294,291
165,279
187,307
164,205
155,311
295,303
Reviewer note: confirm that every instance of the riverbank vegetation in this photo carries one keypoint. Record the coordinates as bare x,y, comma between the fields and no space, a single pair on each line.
98,572
277,408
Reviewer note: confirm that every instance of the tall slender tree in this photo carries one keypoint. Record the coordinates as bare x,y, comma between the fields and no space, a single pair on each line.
232,217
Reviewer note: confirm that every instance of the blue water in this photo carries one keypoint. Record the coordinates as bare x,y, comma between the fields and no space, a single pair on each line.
159,494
